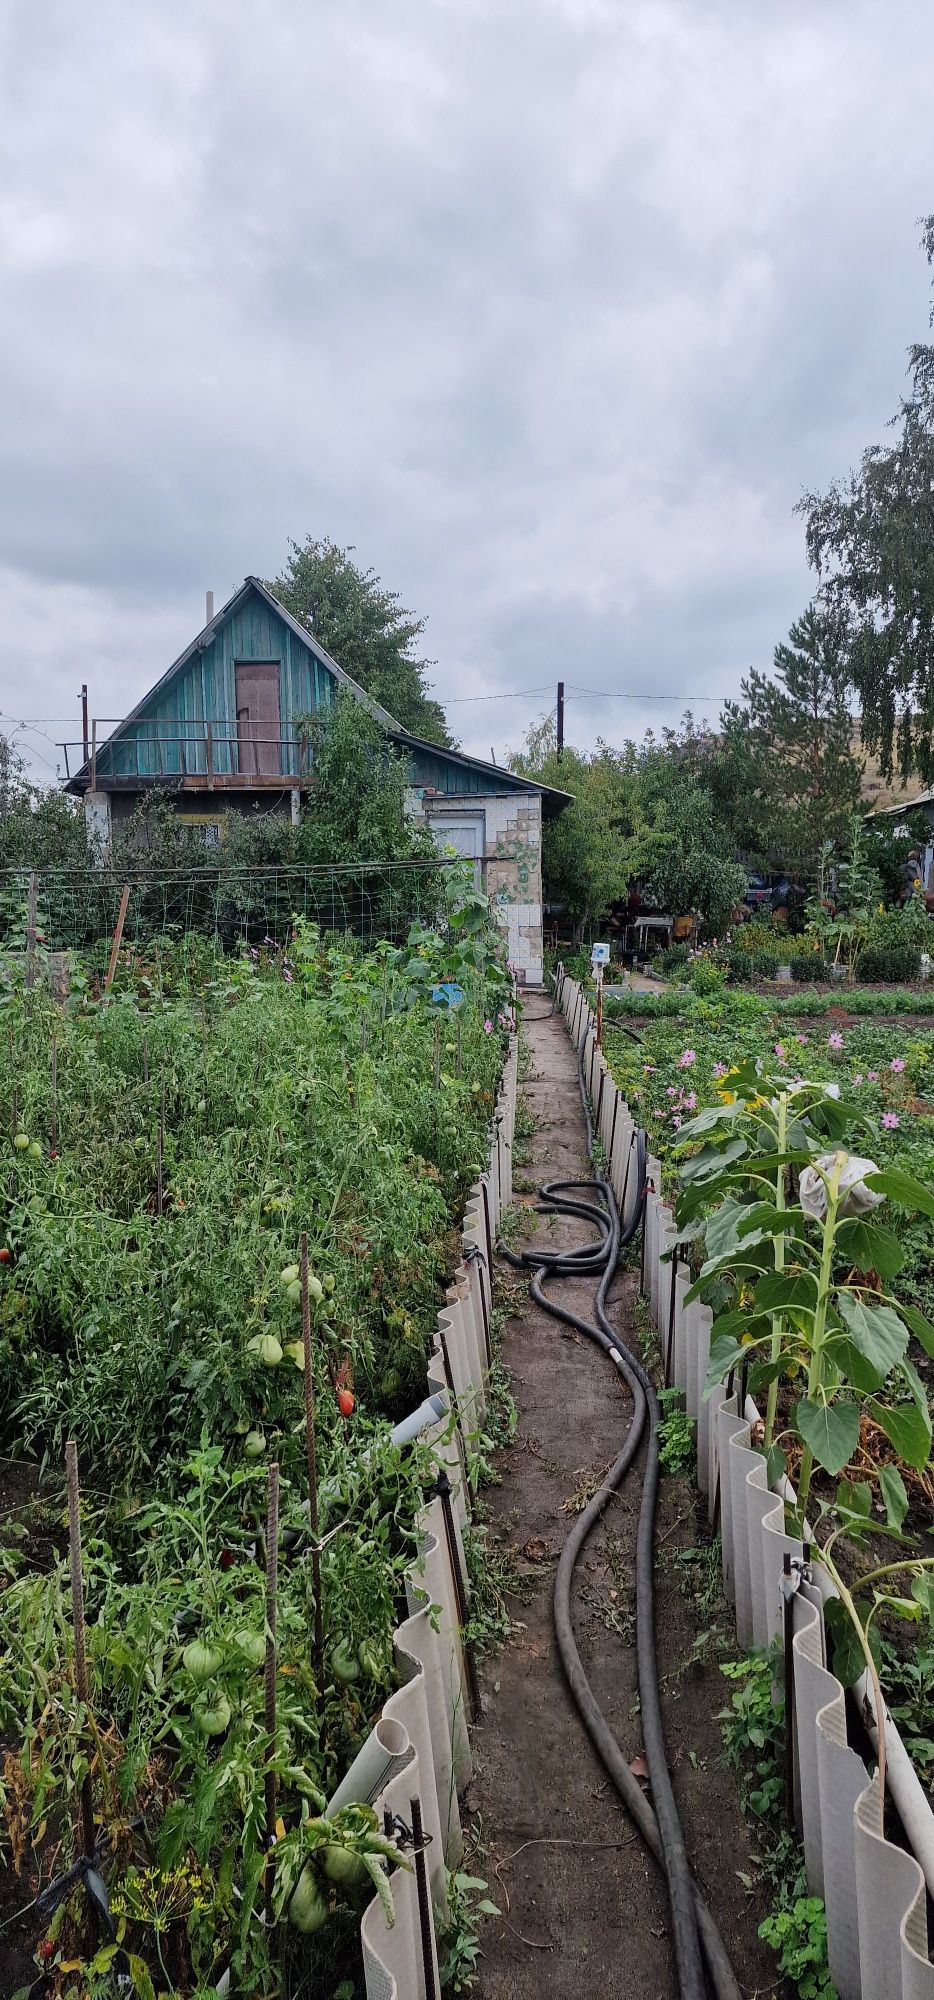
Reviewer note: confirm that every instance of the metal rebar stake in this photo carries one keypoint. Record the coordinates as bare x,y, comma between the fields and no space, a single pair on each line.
424,1902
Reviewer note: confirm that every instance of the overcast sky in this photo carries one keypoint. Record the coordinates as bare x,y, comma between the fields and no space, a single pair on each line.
552,307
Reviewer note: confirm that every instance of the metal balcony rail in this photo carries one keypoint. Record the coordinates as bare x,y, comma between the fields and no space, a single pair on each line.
206,748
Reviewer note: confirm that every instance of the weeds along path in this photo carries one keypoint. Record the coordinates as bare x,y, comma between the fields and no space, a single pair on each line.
584,1907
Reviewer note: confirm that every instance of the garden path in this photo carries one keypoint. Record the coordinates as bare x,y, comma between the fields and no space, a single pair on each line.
584,1911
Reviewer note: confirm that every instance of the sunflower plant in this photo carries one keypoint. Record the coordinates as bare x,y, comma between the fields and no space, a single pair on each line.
799,1268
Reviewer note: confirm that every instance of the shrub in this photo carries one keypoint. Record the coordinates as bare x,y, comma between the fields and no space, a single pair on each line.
706,976
754,937
753,965
673,960
890,964
808,965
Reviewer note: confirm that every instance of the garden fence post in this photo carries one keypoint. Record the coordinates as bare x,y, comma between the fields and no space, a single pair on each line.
77,1615
312,1471
272,1583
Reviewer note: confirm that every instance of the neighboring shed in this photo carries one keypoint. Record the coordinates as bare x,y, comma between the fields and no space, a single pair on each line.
923,807
217,733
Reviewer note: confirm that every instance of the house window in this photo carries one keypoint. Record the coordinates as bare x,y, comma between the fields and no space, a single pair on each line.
211,826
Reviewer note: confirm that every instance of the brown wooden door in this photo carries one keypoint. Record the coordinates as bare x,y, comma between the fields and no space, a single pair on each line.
257,683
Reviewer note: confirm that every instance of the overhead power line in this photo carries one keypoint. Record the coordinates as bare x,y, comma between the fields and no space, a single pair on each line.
509,694
628,694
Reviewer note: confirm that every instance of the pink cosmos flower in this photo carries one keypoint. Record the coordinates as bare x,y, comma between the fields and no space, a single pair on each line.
890,1120
858,1077
690,1101
897,1063
835,1041
488,1027
672,1092
719,1069
676,1122
686,1058
648,1069
873,1075
802,1039
781,1052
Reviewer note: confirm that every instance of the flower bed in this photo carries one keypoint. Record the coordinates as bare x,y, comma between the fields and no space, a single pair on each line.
685,1051
166,1159
805,1308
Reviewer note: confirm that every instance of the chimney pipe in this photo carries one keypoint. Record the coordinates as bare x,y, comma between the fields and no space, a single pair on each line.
208,606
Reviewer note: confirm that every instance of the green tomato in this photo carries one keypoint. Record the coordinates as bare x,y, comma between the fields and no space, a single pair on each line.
308,1909
254,1444
214,1717
34,1150
200,1660
342,1865
21,1142
290,1275
343,1663
293,1291
252,1645
267,1349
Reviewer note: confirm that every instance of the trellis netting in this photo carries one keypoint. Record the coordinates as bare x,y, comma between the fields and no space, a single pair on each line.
221,901
875,1891
420,1747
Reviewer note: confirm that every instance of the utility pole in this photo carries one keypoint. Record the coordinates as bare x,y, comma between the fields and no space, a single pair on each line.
84,720
560,719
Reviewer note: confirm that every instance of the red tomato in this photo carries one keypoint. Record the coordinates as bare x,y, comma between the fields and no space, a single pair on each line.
5,1255
345,1402
46,1948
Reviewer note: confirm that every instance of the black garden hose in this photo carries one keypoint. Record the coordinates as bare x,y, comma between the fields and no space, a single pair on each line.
694,1930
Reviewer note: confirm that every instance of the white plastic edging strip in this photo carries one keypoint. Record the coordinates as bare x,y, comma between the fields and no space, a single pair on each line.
420,1748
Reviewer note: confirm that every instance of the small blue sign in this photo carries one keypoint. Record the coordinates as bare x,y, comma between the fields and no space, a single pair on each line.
448,994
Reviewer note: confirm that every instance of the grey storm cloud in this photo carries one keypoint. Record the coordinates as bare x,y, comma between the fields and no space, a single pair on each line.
552,307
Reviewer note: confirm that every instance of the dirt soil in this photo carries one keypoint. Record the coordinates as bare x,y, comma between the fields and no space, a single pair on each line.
584,1909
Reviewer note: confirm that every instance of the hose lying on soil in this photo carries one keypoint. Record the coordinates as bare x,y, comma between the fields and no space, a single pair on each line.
694,1931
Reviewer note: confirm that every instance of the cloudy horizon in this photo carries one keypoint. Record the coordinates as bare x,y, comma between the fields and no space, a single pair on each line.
551,310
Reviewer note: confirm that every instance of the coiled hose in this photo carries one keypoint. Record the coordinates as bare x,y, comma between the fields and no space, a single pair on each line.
694,1931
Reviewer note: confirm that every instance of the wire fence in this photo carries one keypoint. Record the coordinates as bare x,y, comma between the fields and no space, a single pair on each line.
220,909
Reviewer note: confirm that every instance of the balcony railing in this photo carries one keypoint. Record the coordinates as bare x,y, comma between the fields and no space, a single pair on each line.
205,751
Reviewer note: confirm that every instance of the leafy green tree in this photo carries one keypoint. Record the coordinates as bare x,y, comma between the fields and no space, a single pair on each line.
587,848
685,851
39,826
871,540
356,811
365,629
785,773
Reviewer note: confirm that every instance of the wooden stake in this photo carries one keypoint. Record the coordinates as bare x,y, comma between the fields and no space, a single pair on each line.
77,1614
145,1058
437,1055
272,1585
117,939
457,1029
32,898
160,1151
312,1470
53,1134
